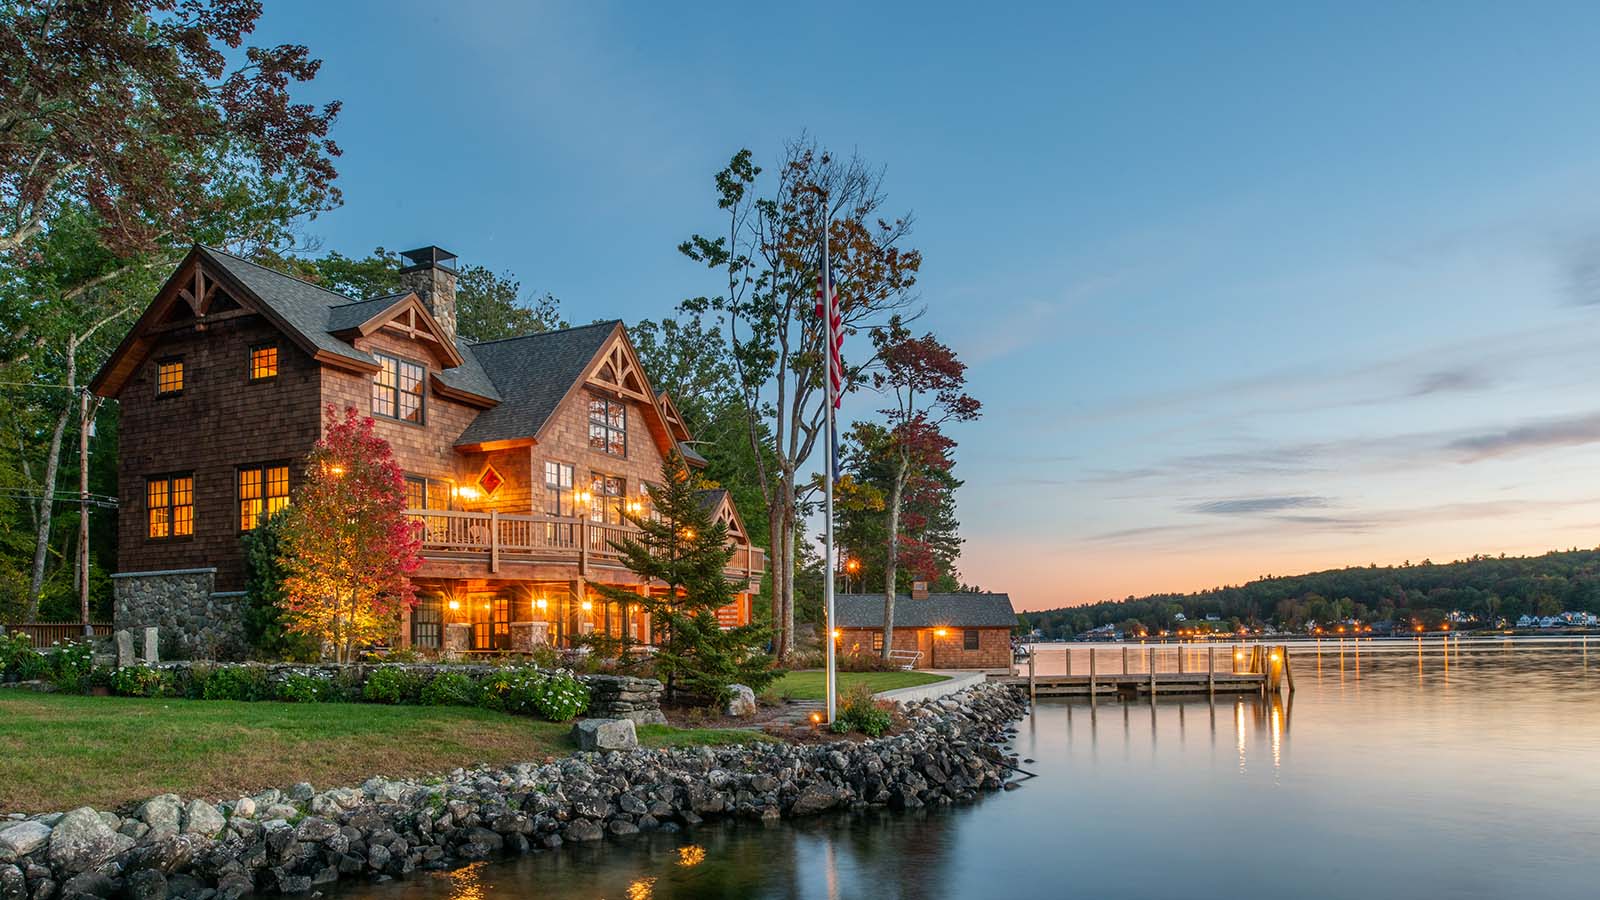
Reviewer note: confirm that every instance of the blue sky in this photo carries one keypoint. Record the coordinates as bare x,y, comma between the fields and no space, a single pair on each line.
1245,288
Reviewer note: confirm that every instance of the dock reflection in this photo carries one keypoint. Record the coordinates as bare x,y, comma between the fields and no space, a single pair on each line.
1256,721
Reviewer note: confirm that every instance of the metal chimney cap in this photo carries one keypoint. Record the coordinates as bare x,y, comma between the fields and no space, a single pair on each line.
429,258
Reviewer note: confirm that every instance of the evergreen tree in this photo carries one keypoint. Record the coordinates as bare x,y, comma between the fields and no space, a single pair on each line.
681,546
264,595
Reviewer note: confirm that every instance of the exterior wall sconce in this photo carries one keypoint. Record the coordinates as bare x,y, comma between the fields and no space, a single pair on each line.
837,634
454,605
541,604
940,632
588,606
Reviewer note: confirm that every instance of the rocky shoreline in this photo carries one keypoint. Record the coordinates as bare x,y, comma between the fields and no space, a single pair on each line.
297,841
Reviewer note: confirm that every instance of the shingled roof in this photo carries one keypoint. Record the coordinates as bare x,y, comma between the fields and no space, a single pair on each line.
532,374
303,305
937,611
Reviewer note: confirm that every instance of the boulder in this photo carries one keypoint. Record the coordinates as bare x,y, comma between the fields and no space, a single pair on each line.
245,808
88,884
202,818
13,884
605,734
23,838
741,701
147,884
164,814
813,799
81,841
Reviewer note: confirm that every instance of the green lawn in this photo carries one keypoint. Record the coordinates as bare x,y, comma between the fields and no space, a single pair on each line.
807,684
58,752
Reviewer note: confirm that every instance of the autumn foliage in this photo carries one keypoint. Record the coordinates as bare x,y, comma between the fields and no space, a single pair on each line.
348,548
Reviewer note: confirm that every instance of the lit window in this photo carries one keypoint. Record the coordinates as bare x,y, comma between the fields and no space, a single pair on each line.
263,491
877,642
558,486
263,362
169,377
397,389
606,498
608,426
169,506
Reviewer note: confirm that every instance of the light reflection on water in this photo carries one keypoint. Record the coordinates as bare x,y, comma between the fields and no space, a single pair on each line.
1398,769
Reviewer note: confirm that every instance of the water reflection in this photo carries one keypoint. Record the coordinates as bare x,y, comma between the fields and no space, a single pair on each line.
1418,769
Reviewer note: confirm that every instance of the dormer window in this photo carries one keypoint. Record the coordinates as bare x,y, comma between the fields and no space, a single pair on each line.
169,377
608,426
397,389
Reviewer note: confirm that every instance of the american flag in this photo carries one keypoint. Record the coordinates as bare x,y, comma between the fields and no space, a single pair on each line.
834,336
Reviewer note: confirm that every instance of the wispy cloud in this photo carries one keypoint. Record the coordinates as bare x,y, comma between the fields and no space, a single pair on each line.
1566,432
1253,506
1464,378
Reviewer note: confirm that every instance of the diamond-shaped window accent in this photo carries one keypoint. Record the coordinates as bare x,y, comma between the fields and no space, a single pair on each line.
490,481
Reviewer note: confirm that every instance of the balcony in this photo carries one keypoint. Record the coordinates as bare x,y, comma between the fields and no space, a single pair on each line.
507,541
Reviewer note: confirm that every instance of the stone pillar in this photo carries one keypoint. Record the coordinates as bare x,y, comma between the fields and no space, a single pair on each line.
152,645
457,638
124,648
527,635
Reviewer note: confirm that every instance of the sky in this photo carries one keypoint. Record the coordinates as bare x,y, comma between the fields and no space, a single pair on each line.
1245,289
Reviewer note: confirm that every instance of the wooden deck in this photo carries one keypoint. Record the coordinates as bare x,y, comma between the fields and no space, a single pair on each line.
1133,671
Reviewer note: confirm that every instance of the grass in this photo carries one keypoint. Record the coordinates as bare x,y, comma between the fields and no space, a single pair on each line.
807,684
59,752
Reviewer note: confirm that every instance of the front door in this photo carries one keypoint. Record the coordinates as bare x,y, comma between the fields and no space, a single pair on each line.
491,622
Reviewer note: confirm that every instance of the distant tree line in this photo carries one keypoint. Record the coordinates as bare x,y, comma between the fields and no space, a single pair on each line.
1488,588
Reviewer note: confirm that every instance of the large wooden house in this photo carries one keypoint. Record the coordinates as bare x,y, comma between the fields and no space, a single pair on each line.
521,455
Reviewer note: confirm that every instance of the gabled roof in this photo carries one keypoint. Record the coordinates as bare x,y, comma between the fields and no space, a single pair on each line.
939,610
469,377
303,306
350,316
532,374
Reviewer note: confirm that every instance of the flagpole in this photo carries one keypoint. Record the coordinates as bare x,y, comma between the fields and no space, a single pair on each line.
827,380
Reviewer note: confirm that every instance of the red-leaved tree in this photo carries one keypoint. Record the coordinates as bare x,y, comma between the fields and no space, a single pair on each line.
348,548
927,383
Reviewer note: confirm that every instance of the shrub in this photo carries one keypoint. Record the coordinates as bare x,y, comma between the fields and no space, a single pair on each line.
391,684
859,711
70,665
305,687
450,689
142,681
236,683
18,660
561,697
864,662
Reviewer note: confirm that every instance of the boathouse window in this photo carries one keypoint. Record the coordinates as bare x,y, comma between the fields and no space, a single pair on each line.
169,506
969,639
608,426
427,622
264,362
263,490
169,377
877,641
397,389
606,493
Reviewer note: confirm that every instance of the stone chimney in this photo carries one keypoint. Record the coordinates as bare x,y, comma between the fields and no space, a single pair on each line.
431,273
919,590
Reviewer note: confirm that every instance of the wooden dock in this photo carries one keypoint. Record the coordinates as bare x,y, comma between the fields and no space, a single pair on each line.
1133,671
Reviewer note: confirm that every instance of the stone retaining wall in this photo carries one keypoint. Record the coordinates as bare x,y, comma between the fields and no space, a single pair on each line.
296,841
186,606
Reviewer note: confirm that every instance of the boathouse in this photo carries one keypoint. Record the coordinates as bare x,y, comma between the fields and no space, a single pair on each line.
932,631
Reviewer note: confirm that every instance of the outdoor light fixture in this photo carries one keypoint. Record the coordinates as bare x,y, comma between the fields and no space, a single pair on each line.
587,606
583,497
837,634
940,632
454,604
688,534
336,470
541,604
816,718
467,492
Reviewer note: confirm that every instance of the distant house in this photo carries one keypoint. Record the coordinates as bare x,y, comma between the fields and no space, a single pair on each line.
1528,622
948,631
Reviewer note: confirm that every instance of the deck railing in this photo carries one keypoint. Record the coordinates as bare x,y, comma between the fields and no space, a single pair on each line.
500,536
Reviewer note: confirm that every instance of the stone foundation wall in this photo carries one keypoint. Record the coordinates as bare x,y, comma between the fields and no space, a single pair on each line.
184,603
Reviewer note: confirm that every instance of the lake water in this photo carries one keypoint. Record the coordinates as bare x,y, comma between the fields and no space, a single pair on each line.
1403,770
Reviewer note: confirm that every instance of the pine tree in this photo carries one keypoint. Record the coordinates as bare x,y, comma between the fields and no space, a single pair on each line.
682,547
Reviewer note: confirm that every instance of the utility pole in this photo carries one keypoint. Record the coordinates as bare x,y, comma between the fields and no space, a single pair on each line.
83,510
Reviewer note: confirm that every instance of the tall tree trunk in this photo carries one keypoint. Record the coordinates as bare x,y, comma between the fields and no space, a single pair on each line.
777,562
789,574
891,559
41,543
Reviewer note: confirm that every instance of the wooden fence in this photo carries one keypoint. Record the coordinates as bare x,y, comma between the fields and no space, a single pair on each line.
43,634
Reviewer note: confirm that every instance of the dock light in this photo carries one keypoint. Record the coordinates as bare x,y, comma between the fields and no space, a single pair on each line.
1444,627
588,606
